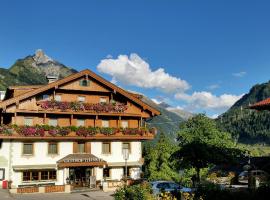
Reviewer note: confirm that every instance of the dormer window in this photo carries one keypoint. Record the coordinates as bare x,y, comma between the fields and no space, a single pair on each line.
84,82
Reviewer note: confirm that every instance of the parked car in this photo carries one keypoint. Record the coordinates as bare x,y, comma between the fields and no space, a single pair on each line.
167,186
260,174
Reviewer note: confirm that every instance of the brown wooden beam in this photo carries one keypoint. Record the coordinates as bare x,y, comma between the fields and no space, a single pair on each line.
81,164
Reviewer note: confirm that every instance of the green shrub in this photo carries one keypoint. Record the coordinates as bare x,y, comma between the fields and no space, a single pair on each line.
134,192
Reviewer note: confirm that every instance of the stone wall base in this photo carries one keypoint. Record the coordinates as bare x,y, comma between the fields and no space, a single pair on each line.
42,189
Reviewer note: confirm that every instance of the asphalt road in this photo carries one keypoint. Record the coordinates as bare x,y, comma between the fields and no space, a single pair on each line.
95,195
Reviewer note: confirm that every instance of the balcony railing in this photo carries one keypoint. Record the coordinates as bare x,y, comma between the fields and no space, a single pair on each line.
114,107
74,132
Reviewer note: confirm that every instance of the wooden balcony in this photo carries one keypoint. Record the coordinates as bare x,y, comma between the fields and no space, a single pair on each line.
66,133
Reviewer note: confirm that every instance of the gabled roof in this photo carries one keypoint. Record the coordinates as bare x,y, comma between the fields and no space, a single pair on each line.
261,104
72,77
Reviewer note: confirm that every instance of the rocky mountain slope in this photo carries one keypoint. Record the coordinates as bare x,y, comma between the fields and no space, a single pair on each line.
248,126
32,70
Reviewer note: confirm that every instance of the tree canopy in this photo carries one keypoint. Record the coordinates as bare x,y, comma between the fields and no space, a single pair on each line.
201,143
157,163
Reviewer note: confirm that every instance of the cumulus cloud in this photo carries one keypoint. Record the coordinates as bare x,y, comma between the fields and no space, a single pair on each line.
133,70
239,74
214,116
213,87
206,100
156,101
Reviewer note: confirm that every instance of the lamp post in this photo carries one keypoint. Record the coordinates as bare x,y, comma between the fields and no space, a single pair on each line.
125,156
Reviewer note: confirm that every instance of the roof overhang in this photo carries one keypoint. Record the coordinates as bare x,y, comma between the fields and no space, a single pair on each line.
33,167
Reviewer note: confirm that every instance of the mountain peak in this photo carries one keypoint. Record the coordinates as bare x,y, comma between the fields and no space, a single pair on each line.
40,57
164,105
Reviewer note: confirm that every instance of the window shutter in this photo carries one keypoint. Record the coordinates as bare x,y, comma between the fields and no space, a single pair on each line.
75,147
88,147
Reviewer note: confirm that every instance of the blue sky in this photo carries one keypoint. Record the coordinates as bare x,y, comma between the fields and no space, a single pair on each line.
215,47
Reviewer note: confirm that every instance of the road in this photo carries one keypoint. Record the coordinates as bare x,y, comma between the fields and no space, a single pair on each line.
95,195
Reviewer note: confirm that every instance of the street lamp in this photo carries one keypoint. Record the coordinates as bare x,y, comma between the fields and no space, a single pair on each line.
125,156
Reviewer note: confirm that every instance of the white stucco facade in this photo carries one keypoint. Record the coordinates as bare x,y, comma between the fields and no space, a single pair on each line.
14,162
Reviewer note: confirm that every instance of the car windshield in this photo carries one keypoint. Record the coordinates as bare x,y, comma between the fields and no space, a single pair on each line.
174,186
244,173
163,185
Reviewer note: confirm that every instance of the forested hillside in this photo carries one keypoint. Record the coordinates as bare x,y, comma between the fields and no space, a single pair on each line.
248,126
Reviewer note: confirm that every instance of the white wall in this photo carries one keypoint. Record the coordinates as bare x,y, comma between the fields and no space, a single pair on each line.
41,157
116,152
4,158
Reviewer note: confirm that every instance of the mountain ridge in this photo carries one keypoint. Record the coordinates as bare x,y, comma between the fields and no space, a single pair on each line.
246,125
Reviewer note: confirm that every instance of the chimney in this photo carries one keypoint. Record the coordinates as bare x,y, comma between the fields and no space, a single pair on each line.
52,78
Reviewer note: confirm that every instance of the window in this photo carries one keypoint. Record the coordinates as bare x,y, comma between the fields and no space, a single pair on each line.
44,175
106,148
80,122
53,122
105,123
103,100
52,148
46,97
28,121
39,175
81,99
81,147
57,97
35,176
126,145
128,171
26,176
106,172
27,149
52,175
2,174
124,124
84,82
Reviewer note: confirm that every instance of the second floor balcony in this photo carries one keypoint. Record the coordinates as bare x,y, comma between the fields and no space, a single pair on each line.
112,107
76,133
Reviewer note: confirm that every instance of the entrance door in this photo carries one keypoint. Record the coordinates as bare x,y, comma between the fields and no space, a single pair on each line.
80,176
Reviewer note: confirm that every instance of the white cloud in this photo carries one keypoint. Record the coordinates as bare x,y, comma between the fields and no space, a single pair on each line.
133,70
214,116
212,87
156,101
206,100
239,74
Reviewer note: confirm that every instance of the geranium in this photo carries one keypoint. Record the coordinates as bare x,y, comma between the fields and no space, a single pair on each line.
53,132
63,106
107,131
82,132
133,131
79,106
31,131
63,131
